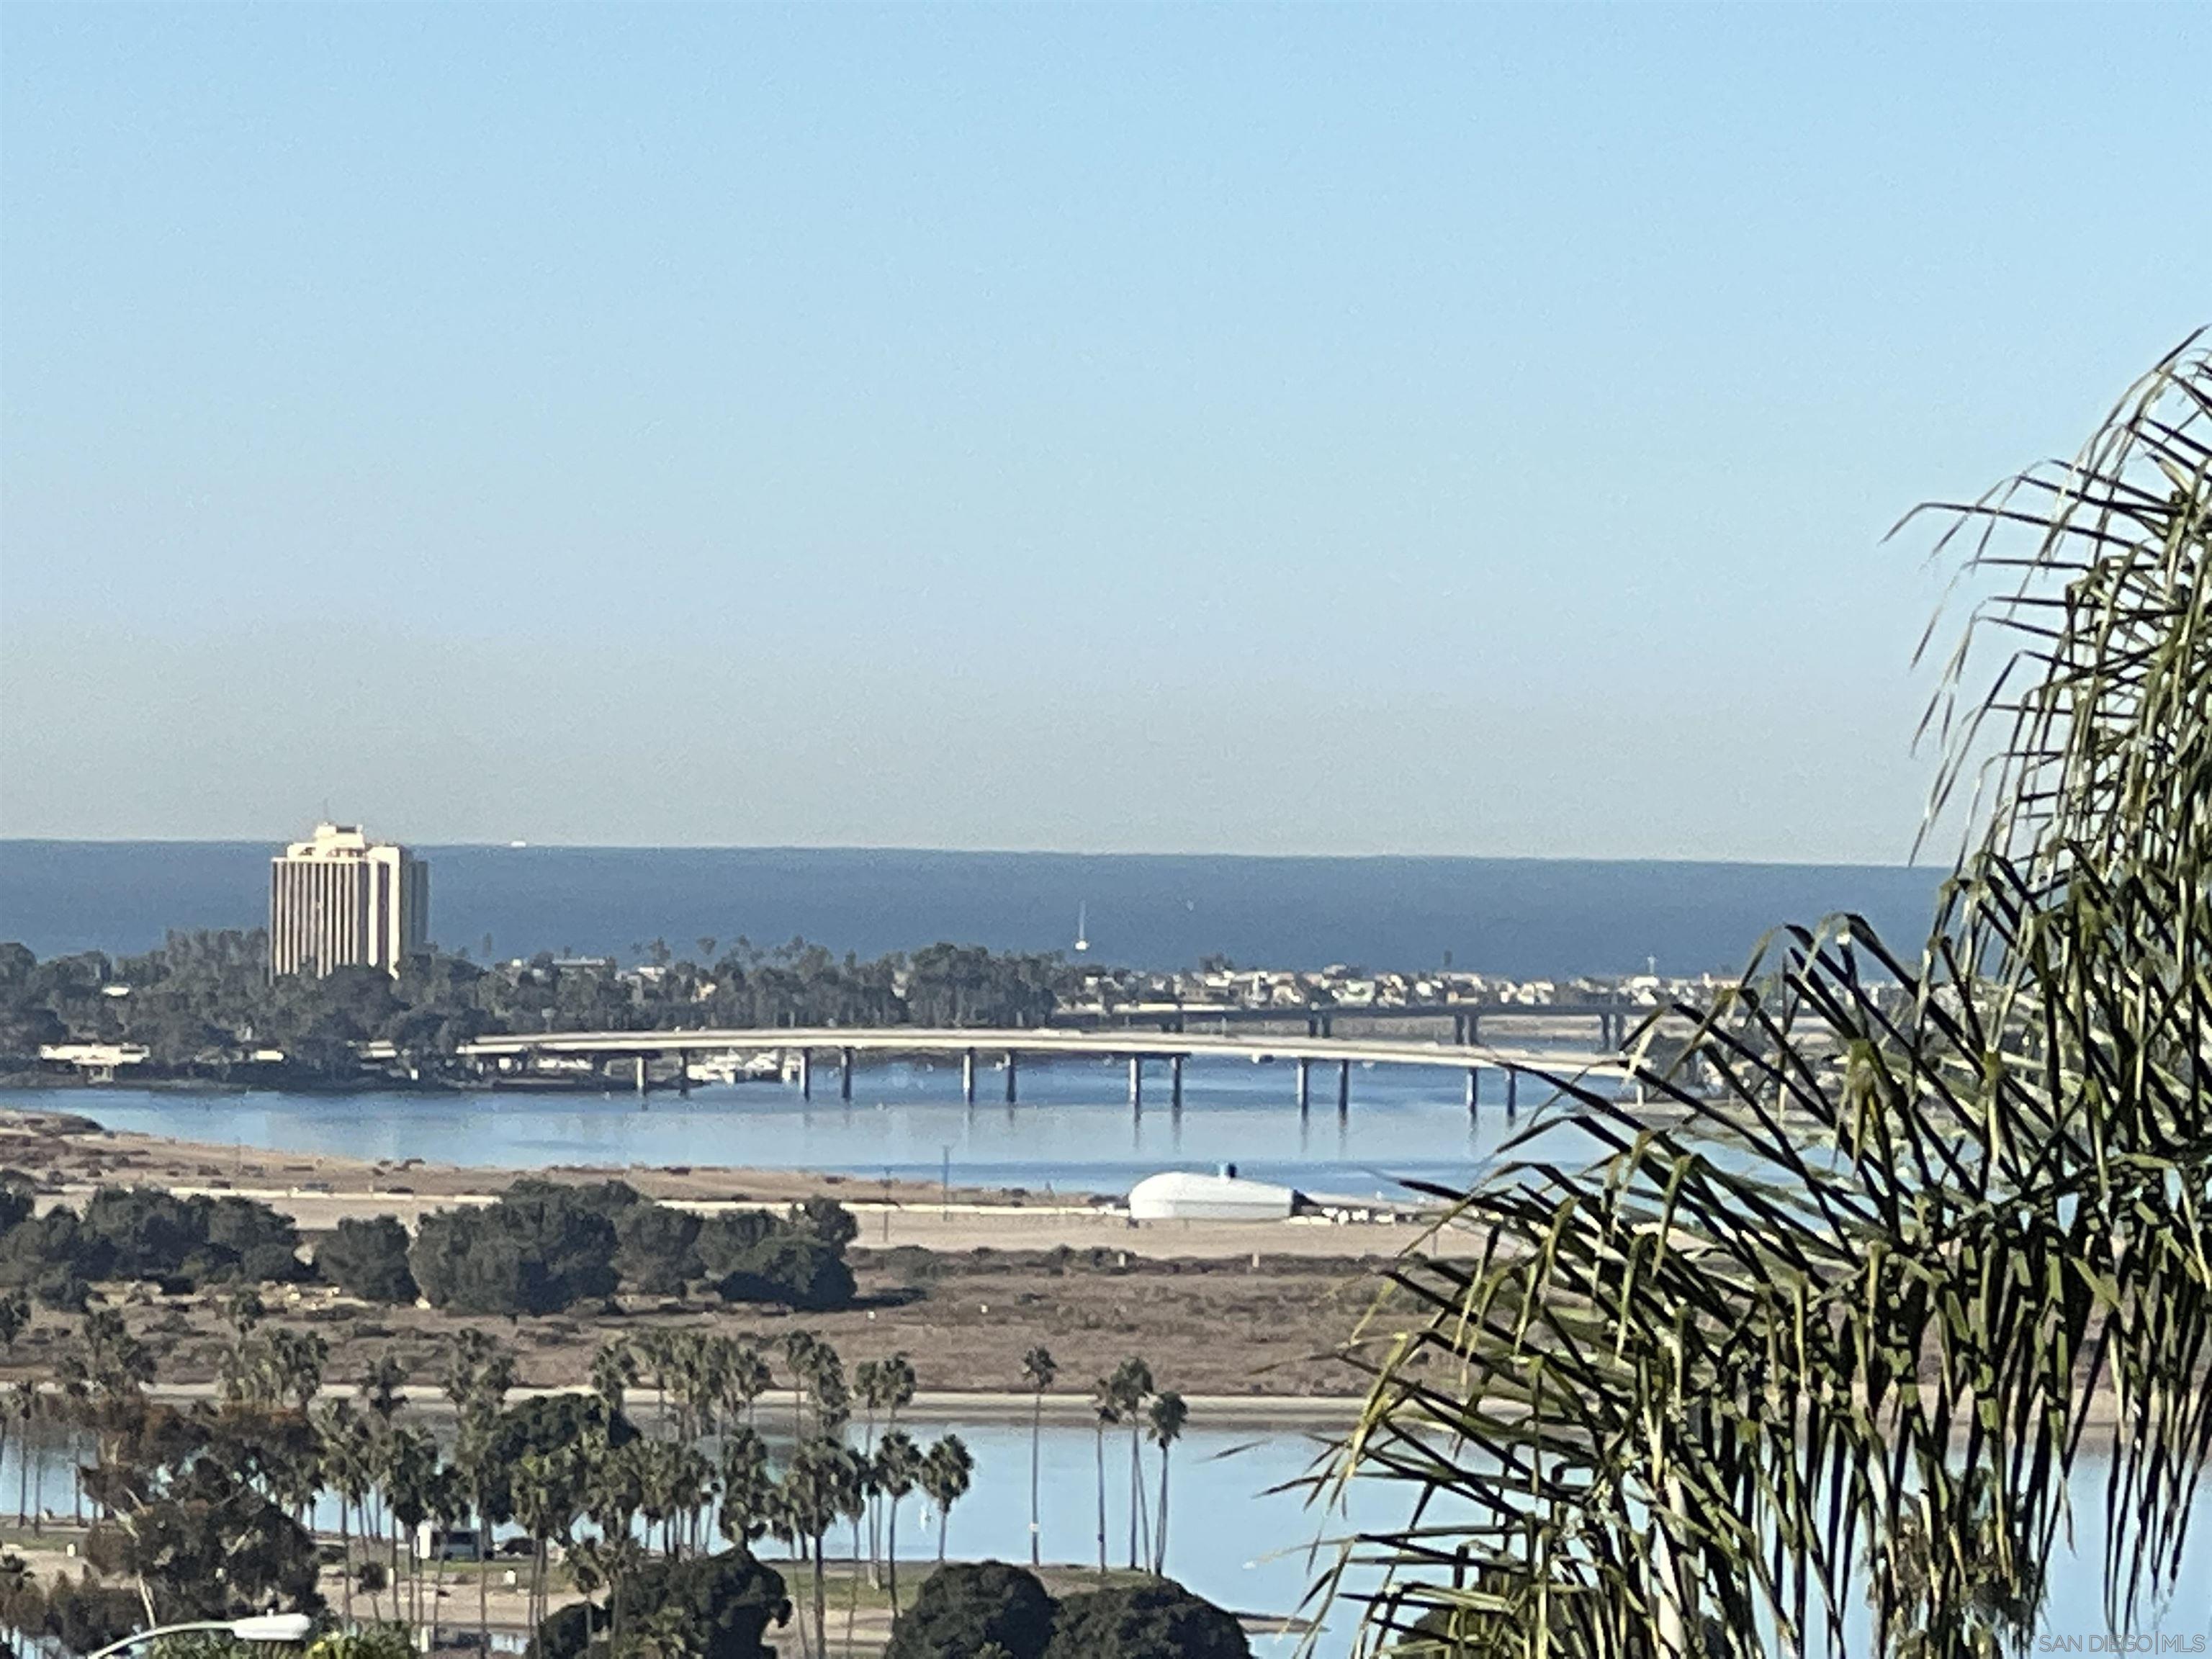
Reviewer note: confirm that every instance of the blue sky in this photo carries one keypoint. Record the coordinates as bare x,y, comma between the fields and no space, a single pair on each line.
1445,430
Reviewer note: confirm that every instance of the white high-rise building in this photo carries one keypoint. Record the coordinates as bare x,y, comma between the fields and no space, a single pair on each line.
343,901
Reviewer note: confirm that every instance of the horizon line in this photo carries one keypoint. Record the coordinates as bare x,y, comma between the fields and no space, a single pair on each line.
995,852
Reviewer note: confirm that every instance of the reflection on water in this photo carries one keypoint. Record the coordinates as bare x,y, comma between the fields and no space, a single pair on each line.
1237,1539
1072,1128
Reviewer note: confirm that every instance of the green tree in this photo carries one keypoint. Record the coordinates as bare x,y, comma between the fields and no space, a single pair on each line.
366,1257
714,1607
1156,1620
962,1610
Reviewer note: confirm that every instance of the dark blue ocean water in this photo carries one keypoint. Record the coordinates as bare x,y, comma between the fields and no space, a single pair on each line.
1519,917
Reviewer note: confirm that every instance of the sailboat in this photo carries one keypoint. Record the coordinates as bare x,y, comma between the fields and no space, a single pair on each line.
1082,926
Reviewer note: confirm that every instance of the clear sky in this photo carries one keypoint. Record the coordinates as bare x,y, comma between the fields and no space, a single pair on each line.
1234,428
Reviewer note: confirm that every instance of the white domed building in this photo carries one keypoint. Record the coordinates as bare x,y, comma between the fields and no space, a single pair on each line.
1186,1195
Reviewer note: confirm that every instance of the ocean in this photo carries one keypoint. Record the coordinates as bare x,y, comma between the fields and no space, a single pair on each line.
1518,918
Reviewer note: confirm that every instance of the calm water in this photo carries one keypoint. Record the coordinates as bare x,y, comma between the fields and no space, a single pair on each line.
1072,1128
1235,1538
1518,917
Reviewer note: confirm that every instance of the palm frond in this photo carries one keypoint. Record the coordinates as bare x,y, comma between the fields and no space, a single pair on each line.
1832,1308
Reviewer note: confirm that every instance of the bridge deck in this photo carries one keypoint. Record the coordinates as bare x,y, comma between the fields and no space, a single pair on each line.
1047,1040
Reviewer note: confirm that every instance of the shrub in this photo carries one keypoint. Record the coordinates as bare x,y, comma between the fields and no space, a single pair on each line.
16,1191
726,1239
963,1609
827,1219
55,1244
368,1259
147,1233
367,1641
538,1250
726,1603
657,1251
1156,1620
84,1616
800,1272
248,1233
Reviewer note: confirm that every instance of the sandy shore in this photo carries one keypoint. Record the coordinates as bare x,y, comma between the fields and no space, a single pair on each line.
965,1287
317,1190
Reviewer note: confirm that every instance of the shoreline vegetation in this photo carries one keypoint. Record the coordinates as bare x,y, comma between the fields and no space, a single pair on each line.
966,1281
201,1010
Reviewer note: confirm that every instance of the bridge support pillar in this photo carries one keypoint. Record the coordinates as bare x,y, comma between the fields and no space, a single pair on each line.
1174,1081
1473,1089
642,1067
806,1074
844,1074
1305,1086
1343,1087
1136,1083
1512,1093
1011,1074
968,1077
683,1072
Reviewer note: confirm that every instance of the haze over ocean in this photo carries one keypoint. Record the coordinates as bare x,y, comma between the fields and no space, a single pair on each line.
1517,917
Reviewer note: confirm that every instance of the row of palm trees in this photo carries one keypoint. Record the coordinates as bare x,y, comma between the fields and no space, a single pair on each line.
1125,1396
595,1489
606,1497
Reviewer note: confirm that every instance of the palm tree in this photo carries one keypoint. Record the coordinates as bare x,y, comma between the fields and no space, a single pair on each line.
342,1442
548,1490
615,1494
478,1373
410,1474
382,1391
798,1358
899,1385
746,1488
868,1389
449,1504
897,1464
1131,1383
821,1483
382,1388
1039,1371
947,1470
1167,1415
745,1380
614,1369
1106,1411
1914,1216
295,1362
14,1317
28,1403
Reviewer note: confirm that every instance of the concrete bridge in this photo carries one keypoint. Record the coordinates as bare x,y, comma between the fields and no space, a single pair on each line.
518,1051
1614,1020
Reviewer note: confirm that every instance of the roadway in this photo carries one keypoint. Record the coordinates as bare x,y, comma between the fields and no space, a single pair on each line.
1115,1044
